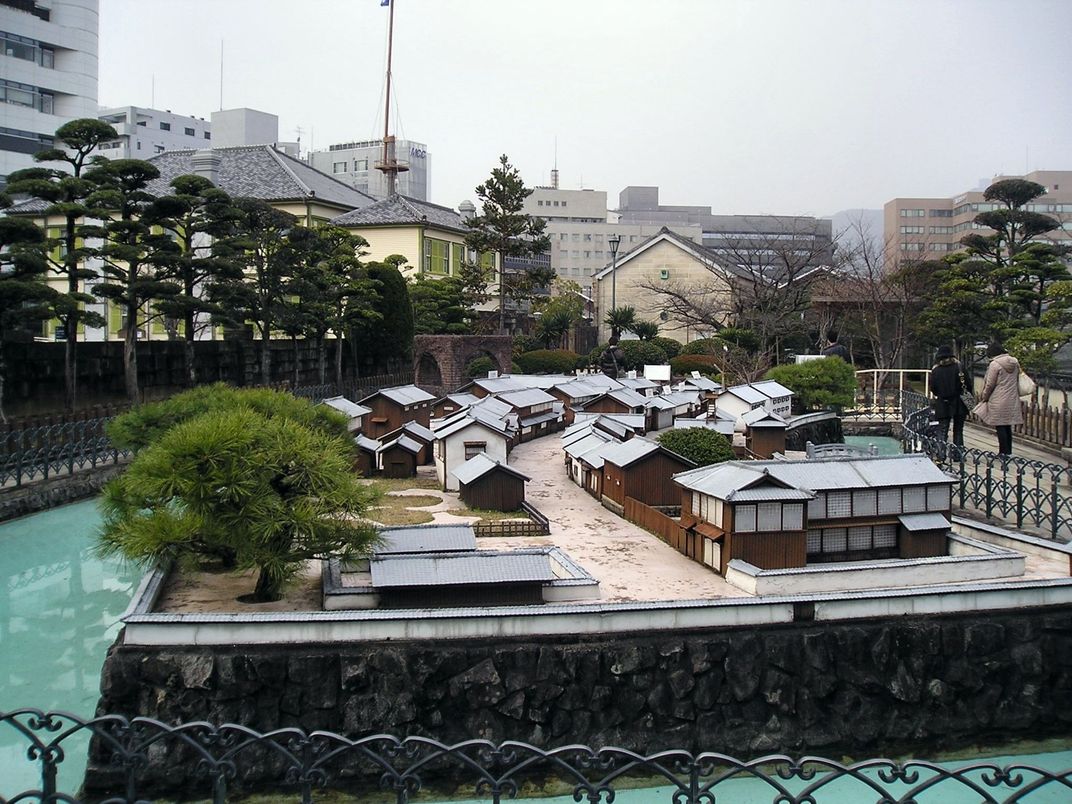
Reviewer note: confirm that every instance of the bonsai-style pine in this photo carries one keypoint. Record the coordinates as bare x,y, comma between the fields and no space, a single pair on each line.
243,486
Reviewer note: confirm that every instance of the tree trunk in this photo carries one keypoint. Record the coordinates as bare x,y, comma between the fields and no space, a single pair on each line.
338,361
267,589
130,354
266,357
70,364
294,372
322,361
3,370
188,353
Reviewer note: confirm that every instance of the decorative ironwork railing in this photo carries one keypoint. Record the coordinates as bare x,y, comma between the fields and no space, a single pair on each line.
38,453
143,757
1015,489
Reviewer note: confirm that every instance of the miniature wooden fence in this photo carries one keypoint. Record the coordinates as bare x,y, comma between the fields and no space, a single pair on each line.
536,525
656,522
1049,425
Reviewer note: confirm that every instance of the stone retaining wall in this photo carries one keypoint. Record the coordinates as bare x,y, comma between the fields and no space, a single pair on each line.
44,494
863,688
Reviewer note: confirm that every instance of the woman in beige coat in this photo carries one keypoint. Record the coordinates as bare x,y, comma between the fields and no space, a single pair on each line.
1001,392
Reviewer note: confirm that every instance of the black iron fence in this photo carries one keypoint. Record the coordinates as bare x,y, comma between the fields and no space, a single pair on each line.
29,454
137,758
1017,490
38,453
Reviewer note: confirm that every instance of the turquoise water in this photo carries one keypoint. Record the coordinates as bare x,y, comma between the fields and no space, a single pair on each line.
59,611
885,444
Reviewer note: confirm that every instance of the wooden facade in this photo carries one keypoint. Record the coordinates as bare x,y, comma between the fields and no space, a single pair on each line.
397,461
365,462
426,454
648,479
388,415
495,490
922,544
765,441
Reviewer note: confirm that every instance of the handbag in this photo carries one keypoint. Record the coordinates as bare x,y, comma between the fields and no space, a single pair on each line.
1025,386
982,412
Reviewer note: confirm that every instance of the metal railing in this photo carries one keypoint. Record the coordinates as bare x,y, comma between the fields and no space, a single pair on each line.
1018,490
144,757
38,453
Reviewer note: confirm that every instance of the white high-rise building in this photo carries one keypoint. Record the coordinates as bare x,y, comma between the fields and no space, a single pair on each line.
355,163
48,73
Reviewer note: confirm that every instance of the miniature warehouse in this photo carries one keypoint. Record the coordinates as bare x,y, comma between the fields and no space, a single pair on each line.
776,601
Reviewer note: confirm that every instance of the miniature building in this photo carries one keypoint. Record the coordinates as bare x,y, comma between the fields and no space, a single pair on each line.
620,401
781,514
416,432
739,400
643,470
489,485
393,407
368,450
399,458
538,412
465,436
764,433
780,396
355,412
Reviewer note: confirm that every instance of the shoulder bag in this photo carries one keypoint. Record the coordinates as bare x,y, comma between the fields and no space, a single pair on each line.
1025,386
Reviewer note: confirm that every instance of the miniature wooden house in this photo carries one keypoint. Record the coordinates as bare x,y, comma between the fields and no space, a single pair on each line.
490,485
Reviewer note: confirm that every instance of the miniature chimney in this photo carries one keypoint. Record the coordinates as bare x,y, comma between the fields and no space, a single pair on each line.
207,163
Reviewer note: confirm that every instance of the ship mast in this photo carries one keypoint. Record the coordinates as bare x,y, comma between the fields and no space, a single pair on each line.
390,166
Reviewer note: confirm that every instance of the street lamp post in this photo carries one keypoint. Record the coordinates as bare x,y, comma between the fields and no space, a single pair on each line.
613,241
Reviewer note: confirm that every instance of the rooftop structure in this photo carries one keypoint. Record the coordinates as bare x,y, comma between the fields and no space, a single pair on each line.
355,163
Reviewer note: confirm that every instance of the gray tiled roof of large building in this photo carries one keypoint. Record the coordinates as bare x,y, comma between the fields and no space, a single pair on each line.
462,569
426,539
400,210
260,171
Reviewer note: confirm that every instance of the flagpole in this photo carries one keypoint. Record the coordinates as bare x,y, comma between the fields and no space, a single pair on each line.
387,157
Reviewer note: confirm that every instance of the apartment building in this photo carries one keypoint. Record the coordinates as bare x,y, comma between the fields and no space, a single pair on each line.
930,228
355,163
48,73
143,133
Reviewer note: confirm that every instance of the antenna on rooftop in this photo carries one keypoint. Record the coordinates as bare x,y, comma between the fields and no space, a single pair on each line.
554,170
221,75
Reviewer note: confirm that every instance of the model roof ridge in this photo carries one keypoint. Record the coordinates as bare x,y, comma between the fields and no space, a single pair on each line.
424,203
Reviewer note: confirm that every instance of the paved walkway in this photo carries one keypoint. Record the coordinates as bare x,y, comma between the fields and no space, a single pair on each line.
629,562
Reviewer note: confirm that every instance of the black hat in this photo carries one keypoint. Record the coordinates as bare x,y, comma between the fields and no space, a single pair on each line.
944,351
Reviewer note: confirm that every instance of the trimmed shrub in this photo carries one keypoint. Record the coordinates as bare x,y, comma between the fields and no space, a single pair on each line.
641,353
525,343
548,361
480,366
686,364
699,444
818,384
671,347
703,346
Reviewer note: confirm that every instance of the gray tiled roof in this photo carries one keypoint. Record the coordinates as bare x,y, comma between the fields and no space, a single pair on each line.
367,443
403,395
748,394
525,397
426,539
479,465
760,417
344,405
930,521
629,451
260,171
400,210
590,441
469,419
772,388
406,443
462,569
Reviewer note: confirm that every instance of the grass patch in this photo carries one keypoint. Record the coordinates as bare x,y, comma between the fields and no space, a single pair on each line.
488,516
414,500
388,484
393,509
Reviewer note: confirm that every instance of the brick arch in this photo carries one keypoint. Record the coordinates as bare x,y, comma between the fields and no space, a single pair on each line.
450,354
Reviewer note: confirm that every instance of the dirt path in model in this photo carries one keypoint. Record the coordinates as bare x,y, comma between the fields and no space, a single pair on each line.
629,562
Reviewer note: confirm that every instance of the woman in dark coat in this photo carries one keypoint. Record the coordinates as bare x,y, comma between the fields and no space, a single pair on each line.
948,384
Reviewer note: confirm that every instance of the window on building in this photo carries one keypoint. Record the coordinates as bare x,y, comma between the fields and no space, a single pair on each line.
913,213
208,135
792,516
555,203
864,502
817,507
338,167
744,518
474,448
360,164
838,504
189,132
142,123
889,501
911,247
47,58
938,498
941,213
915,499
588,255
911,230
19,47
165,126
588,238
563,203
48,103
436,256
835,540
539,202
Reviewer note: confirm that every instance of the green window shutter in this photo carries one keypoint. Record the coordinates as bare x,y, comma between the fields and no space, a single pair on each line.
115,319
457,257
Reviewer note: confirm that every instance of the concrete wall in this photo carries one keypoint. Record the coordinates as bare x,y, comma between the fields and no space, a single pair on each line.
911,683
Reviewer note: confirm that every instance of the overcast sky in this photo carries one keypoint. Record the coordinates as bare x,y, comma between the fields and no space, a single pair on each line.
763,107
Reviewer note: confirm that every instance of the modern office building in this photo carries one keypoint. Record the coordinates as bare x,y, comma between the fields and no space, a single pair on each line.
143,132
743,239
580,227
355,163
48,73
930,228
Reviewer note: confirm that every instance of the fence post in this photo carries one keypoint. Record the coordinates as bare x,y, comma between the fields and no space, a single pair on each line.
1053,506
989,488
21,452
1019,496
48,450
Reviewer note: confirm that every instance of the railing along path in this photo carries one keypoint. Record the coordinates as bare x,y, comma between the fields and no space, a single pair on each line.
146,757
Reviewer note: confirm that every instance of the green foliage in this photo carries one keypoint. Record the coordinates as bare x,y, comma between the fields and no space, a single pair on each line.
548,361
645,330
703,346
641,353
259,491
479,367
818,384
669,346
525,343
146,424
686,364
727,338
700,445
620,319
385,337
440,307
503,228
515,368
